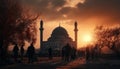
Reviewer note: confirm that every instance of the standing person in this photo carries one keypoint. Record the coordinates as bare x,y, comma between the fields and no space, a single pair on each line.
50,53
67,52
15,52
92,52
73,53
22,52
87,53
63,53
96,50
31,53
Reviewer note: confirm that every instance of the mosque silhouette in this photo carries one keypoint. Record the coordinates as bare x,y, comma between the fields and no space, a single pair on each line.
57,40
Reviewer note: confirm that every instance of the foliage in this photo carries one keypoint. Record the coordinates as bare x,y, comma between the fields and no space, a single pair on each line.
108,37
17,23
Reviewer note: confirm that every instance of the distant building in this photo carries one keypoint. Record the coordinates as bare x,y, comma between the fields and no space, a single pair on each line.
57,40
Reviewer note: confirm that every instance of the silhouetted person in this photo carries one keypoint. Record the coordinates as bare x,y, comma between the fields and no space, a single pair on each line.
87,53
31,53
63,53
50,53
2,55
22,52
96,51
67,52
92,53
15,52
73,53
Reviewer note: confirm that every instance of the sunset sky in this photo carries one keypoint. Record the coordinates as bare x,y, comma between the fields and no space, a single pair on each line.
88,14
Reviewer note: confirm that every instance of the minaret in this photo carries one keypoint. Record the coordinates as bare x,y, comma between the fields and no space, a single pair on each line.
76,30
41,34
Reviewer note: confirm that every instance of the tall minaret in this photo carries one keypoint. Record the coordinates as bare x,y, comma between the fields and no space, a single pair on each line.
76,30
41,34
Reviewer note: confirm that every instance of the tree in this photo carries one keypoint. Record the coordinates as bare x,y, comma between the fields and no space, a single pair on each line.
108,37
17,23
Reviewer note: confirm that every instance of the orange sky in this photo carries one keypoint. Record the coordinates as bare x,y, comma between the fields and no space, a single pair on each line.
85,28
88,14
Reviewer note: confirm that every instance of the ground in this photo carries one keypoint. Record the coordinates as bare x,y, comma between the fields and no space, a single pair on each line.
57,63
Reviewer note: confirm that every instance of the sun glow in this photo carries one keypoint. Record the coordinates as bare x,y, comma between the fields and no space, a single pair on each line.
87,38
73,3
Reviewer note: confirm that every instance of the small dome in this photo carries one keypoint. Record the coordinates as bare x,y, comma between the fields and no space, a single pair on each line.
59,31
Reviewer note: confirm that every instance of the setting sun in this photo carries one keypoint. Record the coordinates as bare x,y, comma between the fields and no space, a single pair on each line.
87,38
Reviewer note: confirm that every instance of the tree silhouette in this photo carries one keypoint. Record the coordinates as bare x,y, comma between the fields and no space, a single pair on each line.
17,23
108,37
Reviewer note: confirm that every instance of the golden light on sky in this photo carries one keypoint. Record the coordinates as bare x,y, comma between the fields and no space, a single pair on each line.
85,30
88,14
87,38
73,3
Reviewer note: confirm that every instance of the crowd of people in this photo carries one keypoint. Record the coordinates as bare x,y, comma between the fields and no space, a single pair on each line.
92,52
30,53
67,53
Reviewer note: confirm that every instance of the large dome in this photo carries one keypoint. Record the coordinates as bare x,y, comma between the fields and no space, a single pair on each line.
59,31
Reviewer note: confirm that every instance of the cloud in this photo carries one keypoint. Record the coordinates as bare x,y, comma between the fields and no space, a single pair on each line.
58,3
104,10
101,8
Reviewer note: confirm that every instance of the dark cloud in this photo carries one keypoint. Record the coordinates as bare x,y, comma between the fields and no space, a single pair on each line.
109,8
101,9
105,9
49,9
58,3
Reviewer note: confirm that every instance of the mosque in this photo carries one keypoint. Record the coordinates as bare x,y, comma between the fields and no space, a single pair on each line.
58,39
